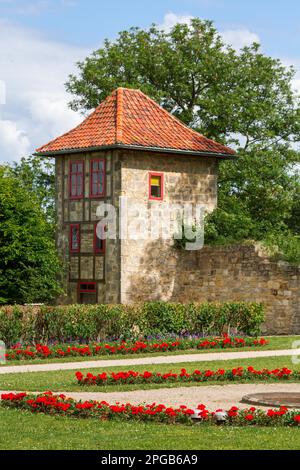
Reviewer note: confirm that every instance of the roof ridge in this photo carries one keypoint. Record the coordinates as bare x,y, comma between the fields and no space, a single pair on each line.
119,115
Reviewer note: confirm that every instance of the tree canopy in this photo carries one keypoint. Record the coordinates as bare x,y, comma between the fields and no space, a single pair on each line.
205,83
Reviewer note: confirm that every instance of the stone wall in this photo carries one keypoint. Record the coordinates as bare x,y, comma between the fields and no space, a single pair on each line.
143,270
233,273
186,180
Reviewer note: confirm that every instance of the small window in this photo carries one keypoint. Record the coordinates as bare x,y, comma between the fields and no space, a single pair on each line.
97,188
76,179
99,243
87,287
156,186
75,238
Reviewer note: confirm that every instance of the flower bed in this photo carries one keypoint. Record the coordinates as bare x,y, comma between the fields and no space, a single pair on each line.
95,349
61,405
239,373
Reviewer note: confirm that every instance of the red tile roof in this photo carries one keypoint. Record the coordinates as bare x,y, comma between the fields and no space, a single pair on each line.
129,118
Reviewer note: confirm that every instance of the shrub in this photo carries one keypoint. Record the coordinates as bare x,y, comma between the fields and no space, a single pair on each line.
88,323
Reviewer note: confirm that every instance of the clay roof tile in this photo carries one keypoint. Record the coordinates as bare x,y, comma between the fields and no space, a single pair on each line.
130,118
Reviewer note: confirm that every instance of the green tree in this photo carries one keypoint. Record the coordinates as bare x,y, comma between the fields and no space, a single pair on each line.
208,85
241,98
29,266
37,175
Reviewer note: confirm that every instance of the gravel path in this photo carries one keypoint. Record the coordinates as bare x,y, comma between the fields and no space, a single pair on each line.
148,360
214,397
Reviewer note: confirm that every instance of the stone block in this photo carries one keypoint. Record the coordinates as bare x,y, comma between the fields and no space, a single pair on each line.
87,267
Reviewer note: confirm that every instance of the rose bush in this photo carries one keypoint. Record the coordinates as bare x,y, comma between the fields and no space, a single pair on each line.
48,403
239,373
41,351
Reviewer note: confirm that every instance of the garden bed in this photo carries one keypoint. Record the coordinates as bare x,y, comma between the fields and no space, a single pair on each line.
220,375
124,348
48,403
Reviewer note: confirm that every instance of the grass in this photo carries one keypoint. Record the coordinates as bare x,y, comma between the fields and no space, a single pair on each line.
65,380
276,343
22,430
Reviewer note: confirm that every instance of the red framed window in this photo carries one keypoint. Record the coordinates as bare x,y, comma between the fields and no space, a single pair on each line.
87,287
76,179
99,243
75,238
156,186
97,183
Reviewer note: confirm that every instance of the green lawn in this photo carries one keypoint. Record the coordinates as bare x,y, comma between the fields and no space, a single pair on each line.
276,342
66,381
25,431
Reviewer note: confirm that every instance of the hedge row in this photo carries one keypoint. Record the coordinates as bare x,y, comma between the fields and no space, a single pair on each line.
31,325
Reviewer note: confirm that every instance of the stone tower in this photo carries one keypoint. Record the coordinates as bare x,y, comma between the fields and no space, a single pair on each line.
131,147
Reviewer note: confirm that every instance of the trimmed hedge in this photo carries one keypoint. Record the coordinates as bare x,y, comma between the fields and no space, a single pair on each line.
32,325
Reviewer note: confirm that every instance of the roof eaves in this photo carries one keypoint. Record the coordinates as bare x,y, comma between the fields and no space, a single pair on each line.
138,147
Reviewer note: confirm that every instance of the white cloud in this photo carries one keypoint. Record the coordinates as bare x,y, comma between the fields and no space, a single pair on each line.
238,38
295,62
2,91
34,70
14,140
296,85
171,19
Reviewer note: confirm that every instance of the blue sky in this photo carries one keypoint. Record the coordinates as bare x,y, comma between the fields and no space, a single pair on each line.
40,40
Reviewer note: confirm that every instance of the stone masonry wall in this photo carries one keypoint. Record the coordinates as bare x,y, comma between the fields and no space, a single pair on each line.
233,273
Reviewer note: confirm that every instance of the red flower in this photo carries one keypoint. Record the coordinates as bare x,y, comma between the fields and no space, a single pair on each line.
79,376
249,417
201,407
189,412
147,375
234,409
209,373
